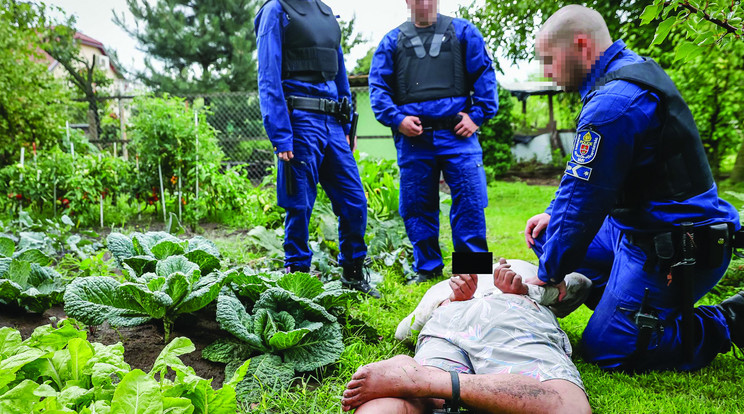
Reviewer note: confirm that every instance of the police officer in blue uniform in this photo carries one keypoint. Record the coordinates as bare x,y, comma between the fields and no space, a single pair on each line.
305,102
637,204
432,82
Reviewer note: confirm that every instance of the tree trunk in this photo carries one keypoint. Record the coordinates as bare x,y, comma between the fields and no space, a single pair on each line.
92,125
737,174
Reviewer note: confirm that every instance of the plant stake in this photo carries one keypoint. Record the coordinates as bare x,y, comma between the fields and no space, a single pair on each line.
162,194
196,123
101,209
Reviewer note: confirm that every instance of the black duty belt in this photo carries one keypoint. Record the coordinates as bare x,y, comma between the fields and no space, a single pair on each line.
340,110
437,124
711,244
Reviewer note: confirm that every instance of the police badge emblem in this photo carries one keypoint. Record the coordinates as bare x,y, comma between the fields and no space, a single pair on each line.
586,145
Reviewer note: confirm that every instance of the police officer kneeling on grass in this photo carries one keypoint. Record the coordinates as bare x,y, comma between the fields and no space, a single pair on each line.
432,82
305,102
637,210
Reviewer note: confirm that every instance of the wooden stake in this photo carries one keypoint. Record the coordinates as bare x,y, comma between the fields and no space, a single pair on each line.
162,194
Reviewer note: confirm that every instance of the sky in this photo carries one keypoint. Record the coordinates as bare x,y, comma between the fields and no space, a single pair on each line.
374,18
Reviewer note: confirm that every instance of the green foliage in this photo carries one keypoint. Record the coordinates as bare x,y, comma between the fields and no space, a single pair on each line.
165,138
32,101
511,27
58,370
256,204
348,38
78,183
164,278
26,281
292,325
364,64
713,100
496,137
202,47
706,25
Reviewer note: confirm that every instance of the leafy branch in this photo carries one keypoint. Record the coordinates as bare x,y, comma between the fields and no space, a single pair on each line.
703,14
694,19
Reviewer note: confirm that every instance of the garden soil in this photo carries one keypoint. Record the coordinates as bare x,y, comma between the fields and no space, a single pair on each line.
142,344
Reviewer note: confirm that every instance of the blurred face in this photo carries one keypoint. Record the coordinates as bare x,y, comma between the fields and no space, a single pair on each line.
423,10
562,62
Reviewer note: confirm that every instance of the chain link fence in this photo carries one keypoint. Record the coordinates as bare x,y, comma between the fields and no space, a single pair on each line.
237,118
235,115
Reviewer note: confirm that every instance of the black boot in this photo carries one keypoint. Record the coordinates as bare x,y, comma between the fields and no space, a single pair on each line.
423,276
356,277
733,310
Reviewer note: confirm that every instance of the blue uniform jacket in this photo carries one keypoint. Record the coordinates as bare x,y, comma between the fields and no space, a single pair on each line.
625,119
273,90
481,78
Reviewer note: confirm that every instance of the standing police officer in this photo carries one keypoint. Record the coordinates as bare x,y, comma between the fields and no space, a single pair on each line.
305,102
637,210
420,84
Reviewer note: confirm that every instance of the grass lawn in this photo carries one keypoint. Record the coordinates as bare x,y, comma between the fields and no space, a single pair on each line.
715,389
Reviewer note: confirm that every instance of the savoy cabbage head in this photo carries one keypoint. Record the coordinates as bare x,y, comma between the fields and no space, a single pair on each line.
164,278
285,324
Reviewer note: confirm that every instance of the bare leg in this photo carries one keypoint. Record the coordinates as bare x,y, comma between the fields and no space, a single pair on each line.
402,377
399,406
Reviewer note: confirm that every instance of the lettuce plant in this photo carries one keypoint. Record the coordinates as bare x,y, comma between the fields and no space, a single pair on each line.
58,370
291,327
164,278
25,279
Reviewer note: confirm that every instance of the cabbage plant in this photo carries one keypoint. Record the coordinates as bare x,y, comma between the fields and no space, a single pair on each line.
25,279
164,277
285,324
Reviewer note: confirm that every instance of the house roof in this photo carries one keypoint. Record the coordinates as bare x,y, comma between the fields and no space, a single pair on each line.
88,41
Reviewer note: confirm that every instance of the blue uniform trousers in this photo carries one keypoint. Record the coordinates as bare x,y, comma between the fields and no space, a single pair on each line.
421,162
616,268
322,155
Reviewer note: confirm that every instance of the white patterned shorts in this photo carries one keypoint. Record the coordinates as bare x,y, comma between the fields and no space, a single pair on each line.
497,334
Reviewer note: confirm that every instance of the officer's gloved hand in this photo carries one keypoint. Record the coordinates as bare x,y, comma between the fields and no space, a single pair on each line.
411,126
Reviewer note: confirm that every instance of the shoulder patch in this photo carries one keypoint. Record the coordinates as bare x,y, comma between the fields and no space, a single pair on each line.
578,171
586,145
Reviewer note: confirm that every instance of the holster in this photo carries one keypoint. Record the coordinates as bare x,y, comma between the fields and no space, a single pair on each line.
738,243
712,243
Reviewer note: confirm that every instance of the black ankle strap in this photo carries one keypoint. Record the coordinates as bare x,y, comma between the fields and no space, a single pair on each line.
454,404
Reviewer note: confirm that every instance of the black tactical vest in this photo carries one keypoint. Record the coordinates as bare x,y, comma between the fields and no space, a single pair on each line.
311,41
429,63
681,169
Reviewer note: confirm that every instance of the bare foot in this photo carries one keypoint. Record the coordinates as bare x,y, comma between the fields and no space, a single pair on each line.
400,376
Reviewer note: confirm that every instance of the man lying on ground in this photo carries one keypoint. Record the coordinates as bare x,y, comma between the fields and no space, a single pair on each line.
577,289
497,353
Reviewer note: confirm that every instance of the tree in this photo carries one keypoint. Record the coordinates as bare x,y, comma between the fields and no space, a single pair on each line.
364,64
60,43
496,137
714,32
200,45
513,26
348,39
32,102
706,23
